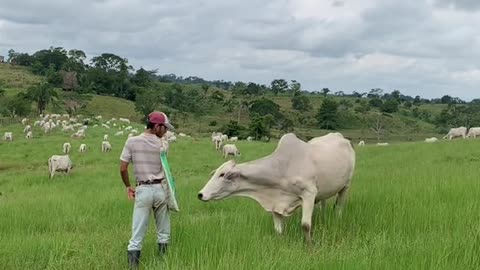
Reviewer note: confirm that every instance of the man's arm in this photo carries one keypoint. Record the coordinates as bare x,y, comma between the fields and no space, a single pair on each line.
126,180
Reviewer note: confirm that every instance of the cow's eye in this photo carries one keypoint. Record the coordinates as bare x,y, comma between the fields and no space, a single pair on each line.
222,175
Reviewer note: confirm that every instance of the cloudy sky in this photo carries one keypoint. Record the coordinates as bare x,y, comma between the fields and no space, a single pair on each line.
424,47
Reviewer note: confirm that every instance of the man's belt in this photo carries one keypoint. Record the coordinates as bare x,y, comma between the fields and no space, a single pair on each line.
150,182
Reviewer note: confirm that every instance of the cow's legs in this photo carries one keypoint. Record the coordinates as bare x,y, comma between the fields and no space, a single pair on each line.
341,198
307,210
278,222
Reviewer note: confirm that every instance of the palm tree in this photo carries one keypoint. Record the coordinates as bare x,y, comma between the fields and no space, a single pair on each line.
42,94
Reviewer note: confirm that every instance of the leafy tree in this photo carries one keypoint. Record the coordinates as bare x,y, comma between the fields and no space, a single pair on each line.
232,129
301,103
295,88
54,77
325,91
147,101
375,93
253,89
42,94
327,114
217,96
52,57
205,88
279,86
143,78
15,106
417,101
111,62
239,88
375,102
396,95
390,106
264,106
260,126
446,99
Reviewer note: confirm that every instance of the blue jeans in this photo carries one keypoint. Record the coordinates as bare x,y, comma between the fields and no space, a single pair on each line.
149,197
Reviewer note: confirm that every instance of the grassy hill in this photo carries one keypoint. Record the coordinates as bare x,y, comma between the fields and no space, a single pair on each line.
16,79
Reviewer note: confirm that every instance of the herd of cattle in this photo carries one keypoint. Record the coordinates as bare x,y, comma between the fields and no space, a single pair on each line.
65,123
473,132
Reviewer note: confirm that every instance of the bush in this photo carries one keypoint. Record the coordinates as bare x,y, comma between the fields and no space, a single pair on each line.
212,123
232,129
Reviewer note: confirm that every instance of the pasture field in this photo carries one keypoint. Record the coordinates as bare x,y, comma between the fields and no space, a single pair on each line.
411,206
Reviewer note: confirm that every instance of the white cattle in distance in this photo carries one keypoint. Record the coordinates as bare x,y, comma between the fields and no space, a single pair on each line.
182,134
224,137
431,140
8,136
105,126
83,148
66,147
218,142
59,163
125,120
230,149
249,138
297,174
456,132
473,132
106,146
24,121
382,144
172,138
361,143
105,137
29,135
119,133
27,129
233,139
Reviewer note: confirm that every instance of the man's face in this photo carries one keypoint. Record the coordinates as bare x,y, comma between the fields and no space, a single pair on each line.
160,130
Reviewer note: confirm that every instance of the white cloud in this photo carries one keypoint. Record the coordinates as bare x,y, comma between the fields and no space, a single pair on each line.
425,47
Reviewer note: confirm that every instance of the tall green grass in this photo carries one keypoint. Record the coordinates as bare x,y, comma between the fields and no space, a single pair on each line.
411,206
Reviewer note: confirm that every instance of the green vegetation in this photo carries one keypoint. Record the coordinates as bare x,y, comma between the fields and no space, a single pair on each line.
64,82
411,206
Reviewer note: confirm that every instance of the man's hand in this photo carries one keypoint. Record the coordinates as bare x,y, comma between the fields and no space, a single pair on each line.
131,193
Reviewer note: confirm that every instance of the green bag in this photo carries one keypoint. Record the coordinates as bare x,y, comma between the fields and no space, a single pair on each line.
171,190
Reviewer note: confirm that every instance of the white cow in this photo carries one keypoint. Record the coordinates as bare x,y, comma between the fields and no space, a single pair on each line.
29,135
218,142
105,137
24,121
456,132
473,132
297,174
249,138
134,131
382,144
106,146
105,126
233,139
68,128
182,134
119,133
83,148
361,143
230,149
431,140
27,129
172,138
128,128
224,137
8,136
66,147
59,163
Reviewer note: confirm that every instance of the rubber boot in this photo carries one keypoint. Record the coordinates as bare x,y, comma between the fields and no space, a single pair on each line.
133,258
162,248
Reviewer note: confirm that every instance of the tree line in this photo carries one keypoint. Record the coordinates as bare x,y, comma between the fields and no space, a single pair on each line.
110,74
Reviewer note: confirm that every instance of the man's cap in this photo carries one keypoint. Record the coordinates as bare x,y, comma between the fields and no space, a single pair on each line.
160,118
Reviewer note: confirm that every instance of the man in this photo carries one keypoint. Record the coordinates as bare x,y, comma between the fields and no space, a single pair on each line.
144,152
